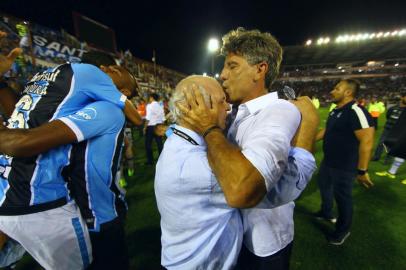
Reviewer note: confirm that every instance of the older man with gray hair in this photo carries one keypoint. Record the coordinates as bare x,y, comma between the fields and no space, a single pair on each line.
199,228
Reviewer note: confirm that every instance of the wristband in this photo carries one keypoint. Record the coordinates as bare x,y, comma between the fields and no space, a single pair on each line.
362,172
210,129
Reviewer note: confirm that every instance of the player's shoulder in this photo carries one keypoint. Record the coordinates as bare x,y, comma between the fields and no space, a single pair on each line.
87,71
103,110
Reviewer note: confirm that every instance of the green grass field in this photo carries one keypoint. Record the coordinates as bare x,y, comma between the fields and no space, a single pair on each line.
378,235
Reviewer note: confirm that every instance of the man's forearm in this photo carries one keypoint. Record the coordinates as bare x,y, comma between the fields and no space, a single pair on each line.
242,184
8,100
365,149
132,114
30,142
15,142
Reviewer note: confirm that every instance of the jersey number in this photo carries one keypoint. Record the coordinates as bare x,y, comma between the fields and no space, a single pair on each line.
18,118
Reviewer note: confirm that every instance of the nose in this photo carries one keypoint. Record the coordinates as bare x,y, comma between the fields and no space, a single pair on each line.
228,107
223,75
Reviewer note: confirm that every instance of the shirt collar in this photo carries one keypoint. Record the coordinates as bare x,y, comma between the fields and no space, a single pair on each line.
195,136
261,102
349,104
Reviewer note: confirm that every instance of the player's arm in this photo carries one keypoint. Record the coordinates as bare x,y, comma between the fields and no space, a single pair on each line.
93,120
8,100
131,113
365,137
30,142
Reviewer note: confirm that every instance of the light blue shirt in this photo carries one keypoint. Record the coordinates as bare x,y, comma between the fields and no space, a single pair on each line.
199,230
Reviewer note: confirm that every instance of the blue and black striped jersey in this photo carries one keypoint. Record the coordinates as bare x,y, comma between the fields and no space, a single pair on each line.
36,183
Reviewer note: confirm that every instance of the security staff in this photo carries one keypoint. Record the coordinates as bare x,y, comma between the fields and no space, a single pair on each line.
348,141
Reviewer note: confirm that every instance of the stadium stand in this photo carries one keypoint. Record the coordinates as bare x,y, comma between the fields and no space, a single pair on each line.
378,63
51,47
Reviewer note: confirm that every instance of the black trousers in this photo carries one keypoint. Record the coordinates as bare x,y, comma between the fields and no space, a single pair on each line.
149,136
278,261
336,184
109,247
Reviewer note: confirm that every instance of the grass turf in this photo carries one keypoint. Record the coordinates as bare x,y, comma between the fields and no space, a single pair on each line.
378,234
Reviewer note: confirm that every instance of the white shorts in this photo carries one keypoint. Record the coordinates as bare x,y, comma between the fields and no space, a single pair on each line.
56,238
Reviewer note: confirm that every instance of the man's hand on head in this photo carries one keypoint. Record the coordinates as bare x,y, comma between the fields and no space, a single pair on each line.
7,61
306,133
196,113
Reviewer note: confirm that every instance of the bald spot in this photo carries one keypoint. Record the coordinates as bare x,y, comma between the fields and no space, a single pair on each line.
210,84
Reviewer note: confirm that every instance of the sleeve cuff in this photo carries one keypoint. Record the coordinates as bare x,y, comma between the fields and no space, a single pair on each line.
123,99
73,127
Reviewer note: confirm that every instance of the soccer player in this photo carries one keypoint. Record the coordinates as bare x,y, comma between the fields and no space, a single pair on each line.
33,185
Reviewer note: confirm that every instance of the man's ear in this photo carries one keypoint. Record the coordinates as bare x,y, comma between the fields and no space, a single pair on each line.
348,92
262,69
104,68
126,92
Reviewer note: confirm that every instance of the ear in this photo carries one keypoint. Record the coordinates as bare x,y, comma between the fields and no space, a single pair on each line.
261,70
104,68
126,92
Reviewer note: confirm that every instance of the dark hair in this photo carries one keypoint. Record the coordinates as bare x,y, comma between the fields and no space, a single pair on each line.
98,59
154,96
255,47
403,94
136,86
355,86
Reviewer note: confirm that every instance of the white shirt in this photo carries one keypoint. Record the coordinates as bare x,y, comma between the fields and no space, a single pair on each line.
263,129
155,114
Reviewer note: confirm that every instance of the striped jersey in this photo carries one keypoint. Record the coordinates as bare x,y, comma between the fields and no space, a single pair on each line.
33,184
94,161
392,116
340,145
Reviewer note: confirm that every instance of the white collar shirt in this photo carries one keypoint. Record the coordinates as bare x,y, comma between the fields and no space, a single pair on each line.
263,130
